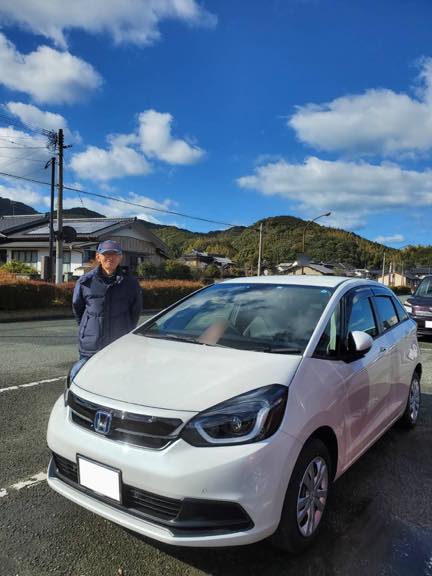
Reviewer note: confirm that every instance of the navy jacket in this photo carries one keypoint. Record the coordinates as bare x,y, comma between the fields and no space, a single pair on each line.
105,310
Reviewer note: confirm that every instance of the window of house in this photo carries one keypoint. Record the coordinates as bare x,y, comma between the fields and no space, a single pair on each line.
361,317
89,255
386,311
27,256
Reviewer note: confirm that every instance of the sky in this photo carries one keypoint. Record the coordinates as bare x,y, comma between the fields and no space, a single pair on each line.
227,110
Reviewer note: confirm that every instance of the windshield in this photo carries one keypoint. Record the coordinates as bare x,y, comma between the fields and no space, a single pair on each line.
276,318
425,288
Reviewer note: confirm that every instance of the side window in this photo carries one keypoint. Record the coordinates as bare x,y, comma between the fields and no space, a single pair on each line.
386,311
328,346
361,316
401,312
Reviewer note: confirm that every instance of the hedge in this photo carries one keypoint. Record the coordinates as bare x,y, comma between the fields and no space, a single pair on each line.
21,294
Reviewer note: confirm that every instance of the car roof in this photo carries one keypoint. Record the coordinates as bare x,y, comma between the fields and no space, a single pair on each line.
300,280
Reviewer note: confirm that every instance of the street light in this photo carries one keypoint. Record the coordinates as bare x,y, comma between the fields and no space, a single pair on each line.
305,228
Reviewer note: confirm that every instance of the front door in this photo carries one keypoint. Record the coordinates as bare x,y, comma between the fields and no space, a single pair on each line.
368,386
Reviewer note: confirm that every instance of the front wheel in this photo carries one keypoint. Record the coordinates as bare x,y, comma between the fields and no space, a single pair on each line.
306,499
412,409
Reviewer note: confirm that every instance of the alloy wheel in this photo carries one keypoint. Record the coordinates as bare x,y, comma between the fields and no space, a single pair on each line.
414,399
312,496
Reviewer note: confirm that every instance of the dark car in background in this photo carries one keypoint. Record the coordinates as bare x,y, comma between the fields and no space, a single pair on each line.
419,306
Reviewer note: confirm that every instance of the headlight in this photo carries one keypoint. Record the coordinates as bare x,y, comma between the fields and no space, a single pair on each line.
72,373
249,417
408,307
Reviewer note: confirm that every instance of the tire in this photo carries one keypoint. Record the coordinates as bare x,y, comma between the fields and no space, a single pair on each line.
410,416
301,518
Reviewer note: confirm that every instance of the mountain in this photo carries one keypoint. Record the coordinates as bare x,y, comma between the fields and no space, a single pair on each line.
10,207
282,241
79,212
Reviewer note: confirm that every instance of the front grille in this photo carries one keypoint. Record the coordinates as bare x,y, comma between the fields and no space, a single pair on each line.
138,429
422,311
66,468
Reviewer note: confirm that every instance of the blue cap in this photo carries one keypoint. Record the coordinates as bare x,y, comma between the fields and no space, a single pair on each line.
109,246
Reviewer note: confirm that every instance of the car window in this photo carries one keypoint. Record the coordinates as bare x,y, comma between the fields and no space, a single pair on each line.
328,346
386,311
276,318
401,312
425,288
361,316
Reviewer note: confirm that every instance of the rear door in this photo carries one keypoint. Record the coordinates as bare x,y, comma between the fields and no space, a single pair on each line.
399,337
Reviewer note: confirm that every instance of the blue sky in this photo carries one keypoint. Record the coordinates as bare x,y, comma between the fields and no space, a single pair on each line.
232,111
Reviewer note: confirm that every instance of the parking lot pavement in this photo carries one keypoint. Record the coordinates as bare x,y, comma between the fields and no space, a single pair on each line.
379,520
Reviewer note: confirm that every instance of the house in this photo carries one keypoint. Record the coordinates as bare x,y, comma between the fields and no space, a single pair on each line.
397,279
311,268
200,260
26,239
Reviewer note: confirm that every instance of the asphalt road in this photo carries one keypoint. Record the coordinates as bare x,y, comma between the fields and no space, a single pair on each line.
379,521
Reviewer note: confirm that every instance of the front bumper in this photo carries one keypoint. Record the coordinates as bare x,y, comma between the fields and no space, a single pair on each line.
249,481
424,324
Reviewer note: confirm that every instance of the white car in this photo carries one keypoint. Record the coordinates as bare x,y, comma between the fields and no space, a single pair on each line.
225,419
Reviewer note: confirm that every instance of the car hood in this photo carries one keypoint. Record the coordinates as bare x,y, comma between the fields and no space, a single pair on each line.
178,375
424,302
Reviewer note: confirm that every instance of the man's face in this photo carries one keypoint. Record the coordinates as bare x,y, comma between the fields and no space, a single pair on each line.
109,261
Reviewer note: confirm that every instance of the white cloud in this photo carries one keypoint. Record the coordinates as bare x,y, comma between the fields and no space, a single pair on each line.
103,165
135,21
129,154
351,190
379,121
157,141
37,118
22,154
115,209
25,194
47,75
392,239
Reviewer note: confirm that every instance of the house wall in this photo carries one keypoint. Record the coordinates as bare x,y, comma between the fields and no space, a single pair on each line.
395,280
131,243
305,270
76,258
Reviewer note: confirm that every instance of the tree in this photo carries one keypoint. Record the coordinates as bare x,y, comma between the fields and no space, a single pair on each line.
16,267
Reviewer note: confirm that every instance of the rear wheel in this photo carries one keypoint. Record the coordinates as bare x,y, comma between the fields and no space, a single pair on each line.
412,409
306,499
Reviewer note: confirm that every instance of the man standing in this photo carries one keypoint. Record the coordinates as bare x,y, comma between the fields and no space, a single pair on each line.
106,301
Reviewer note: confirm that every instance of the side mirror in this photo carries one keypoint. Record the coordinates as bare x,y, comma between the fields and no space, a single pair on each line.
359,342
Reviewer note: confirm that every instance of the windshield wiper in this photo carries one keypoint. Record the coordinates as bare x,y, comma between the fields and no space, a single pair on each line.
279,350
172,337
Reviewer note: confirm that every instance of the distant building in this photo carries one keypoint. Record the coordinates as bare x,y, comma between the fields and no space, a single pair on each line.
26,239
200,260
311,268
397,279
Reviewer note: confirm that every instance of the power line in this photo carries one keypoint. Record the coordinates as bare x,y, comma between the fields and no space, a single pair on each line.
172,212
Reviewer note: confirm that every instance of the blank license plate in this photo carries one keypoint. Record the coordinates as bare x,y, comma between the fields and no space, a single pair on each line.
428,323
99,478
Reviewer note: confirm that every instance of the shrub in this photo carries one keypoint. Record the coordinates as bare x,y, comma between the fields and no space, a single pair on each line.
401,290
16,267
19,295
175,270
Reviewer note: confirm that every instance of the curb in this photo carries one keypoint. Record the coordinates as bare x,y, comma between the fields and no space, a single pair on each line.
46,314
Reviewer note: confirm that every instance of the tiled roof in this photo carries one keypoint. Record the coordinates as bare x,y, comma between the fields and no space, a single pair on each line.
11,222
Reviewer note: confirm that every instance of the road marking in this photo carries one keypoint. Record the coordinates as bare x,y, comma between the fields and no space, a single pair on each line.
35,479
30,384
32,481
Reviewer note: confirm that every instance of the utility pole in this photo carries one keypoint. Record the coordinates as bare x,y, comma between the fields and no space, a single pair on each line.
59,239
383,269
51,163
260,248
